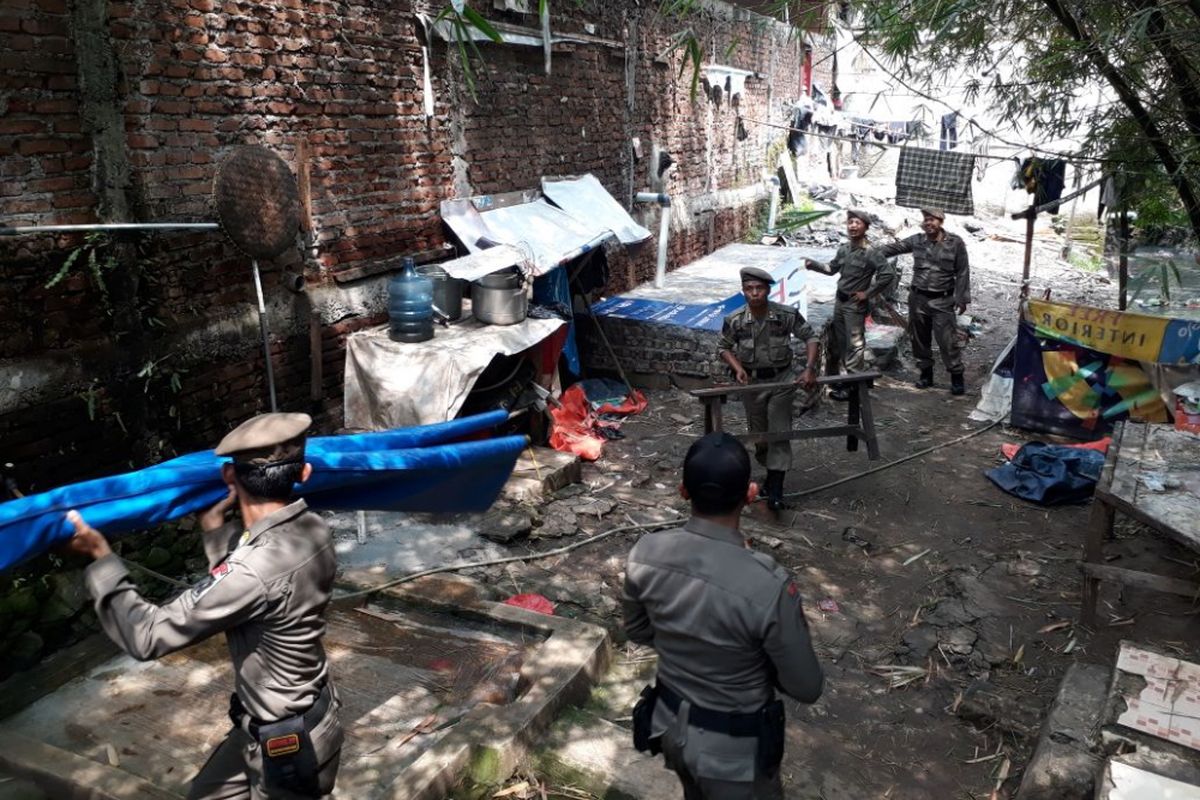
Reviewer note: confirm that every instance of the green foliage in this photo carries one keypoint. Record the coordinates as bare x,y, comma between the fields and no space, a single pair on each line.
1086,261
1103,74
1157,277
98,258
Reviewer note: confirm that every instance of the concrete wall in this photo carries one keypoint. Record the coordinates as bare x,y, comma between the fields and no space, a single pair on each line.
336,90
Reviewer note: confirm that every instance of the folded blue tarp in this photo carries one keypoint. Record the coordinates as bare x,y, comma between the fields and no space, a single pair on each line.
1050,474
427,468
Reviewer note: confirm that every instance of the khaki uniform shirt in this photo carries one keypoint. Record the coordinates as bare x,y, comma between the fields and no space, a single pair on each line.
267,590
764,343
726,621
937,266
862,269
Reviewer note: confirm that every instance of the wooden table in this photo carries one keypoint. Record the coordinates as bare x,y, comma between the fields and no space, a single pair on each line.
1152,473
860,418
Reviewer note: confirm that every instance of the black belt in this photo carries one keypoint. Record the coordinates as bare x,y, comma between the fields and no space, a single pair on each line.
843,297
726,722
315,713
765,373
934,295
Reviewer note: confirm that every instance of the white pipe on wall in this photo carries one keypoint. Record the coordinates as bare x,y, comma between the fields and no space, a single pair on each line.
664,232
774,182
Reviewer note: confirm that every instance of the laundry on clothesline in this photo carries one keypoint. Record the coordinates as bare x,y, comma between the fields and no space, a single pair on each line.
935,178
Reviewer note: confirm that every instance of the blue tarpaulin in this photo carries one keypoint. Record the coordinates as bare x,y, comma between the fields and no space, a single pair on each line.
427,468
1050,474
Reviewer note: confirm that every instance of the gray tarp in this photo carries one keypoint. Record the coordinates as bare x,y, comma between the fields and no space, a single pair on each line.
394,384
545,234
585,198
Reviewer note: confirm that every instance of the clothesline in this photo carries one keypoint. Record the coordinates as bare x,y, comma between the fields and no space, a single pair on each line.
856,140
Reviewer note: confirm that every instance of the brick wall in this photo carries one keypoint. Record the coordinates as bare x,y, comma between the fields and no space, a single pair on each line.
336,90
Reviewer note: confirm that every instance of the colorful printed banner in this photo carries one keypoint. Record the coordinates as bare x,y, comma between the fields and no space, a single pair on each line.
1064,388
1138,337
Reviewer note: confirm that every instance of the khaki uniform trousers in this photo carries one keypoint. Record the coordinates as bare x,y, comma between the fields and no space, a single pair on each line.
930,318
849,337
771,411
234,771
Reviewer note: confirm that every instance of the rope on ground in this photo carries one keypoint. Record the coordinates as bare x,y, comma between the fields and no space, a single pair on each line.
891,464
341,598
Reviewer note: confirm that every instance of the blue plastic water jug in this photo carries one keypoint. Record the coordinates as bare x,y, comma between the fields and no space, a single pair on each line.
410,305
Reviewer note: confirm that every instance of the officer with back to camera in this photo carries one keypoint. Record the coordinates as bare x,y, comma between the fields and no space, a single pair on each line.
270,577
729,629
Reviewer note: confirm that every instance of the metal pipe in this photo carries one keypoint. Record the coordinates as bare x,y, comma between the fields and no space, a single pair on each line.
774,181
110,226
664,232
266,333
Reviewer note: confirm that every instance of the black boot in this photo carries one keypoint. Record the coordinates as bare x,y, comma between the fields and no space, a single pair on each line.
926,379
775,489
839,393
956,383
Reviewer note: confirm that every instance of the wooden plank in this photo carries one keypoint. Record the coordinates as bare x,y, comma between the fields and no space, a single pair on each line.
1099,528
852,409
1141,580
823,432
868,420
63,773
824,380
1129,462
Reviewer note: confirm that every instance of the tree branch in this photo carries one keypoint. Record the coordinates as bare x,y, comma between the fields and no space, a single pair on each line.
1162,148
1176,62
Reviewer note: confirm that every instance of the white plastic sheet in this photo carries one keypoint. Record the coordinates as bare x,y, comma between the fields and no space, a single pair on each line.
396,384
585,198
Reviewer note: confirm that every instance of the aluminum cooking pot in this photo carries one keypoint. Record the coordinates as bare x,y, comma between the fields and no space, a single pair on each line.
447,291
498,306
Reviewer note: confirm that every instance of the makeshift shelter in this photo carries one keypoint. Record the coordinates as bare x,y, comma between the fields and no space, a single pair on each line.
1077,370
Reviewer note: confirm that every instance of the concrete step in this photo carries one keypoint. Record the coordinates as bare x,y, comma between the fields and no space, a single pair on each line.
539,472
598,757
1063,766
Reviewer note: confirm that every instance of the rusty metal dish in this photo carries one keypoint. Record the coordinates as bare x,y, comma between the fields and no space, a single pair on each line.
258,201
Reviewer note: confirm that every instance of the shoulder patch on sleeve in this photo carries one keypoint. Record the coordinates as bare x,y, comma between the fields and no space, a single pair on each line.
215,576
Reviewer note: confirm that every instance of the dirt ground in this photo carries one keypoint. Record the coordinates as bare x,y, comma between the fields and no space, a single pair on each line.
925,565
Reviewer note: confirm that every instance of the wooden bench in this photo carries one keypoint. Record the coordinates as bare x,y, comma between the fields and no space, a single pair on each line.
1139,452
860,417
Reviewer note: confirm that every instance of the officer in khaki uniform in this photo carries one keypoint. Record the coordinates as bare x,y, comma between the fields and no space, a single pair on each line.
940,289
864,274
729,629
270,577
755,342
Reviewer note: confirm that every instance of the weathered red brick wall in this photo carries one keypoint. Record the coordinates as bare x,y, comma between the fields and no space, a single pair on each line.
336,90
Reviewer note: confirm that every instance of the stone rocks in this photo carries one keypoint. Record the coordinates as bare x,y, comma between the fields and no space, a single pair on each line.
505,525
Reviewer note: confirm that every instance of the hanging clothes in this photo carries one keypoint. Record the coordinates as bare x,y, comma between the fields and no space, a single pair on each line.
1044,178
935,178
949,139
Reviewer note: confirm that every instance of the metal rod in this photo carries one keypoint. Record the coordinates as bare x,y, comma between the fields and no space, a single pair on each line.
110,226
266,334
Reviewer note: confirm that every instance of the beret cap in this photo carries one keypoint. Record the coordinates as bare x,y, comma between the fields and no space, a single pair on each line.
267,439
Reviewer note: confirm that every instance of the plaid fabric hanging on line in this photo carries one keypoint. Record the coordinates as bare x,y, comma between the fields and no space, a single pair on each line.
935,178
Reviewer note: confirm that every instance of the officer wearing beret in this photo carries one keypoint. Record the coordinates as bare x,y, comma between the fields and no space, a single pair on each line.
729,629
864,274
756,343
940,289
270,577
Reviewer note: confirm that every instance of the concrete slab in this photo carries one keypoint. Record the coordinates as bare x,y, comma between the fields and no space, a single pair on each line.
1065,763
598,757
539,472
409,669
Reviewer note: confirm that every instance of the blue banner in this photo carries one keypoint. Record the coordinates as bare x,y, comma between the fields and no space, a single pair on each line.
701,317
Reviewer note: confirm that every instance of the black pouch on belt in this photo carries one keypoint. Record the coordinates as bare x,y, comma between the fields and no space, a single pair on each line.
770,737
288,756
643,717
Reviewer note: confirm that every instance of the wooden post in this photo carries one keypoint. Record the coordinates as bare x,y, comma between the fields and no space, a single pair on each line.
1123,259
1030,217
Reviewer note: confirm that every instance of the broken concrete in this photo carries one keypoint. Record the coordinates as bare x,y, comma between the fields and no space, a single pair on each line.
1065,763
